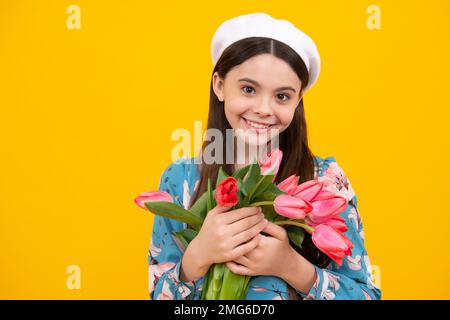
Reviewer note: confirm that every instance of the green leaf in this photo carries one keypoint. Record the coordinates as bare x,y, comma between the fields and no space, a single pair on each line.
187,234
296,235
206,286
270,213
278,217
199,207
215,278
209,197
260,186
233,285
252,178
254,173
180,240
245,287
241,187
240,173
272,188
184,237
174,211
221,175
265,196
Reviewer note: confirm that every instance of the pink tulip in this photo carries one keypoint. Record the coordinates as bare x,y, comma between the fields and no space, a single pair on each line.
291,207
289,185
272,163
326,208
332,242
151,196
324,194
309,190
336,222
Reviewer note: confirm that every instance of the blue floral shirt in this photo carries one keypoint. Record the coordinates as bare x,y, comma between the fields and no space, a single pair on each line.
352,280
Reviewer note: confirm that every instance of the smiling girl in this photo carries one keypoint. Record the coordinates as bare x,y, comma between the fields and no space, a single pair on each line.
262,68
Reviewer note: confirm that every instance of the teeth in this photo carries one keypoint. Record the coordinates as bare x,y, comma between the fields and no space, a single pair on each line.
256,125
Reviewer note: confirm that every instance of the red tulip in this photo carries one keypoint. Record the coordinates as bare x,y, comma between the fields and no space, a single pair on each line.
309,190
272,163
332,242
291,207
226,192
289,185
152,196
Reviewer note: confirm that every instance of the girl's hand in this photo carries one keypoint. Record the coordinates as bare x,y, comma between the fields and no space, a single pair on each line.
269,257
225,236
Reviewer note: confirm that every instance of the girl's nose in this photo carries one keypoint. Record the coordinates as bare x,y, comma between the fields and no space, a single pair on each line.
263,107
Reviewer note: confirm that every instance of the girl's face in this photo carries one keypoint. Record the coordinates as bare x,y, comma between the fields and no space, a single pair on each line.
260,97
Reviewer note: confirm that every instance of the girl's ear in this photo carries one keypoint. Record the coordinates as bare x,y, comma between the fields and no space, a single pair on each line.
300,96
218,86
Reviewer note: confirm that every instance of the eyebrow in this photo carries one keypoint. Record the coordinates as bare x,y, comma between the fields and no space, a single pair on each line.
258,85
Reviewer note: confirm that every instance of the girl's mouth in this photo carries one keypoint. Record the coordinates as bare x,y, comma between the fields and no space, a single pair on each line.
256,126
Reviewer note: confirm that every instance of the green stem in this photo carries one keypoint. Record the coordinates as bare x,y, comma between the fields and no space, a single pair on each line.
298,224
261,203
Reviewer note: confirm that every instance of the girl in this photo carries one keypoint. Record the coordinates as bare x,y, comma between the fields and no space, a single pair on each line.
263,66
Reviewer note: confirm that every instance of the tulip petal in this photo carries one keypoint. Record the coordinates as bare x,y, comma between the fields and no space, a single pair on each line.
336,222
324,194
291,207
332,242
309,190
289,185
150,196
226,192
325,209
272,163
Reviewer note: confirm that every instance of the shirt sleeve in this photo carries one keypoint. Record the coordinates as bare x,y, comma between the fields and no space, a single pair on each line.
164,255
267,288
353,280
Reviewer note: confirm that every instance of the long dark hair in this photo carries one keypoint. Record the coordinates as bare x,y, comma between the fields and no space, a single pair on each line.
293,142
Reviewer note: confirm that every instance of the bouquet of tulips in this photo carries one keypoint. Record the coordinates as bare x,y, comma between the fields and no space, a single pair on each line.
307,207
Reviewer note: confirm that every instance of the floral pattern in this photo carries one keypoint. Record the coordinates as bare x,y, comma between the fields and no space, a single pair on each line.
352,280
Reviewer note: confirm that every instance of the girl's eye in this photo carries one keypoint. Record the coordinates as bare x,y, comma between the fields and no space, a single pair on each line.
285,95
247,87
281,96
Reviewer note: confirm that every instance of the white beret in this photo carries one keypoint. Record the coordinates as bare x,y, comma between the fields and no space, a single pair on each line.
263,25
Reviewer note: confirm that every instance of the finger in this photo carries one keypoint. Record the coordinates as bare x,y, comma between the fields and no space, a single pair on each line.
275,231
219,209
242,260
241,213
248,234
238,269
244,224
246,247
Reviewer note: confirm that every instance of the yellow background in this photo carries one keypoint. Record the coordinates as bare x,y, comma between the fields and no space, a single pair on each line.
86,117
